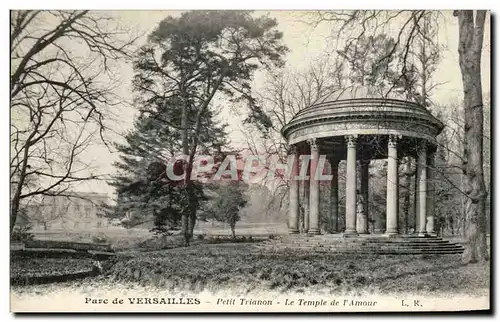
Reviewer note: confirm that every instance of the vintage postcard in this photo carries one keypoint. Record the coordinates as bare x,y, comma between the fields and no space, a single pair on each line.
250,161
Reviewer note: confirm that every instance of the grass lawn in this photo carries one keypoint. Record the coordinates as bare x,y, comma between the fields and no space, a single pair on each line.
240,266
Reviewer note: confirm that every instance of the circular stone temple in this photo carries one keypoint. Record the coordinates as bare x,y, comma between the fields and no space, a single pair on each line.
358,126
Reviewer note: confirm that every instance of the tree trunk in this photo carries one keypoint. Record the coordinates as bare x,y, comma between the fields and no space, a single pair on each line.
464,232
471,34
16,199
185,151
233,229
192,198
185,228
189,217
193,205
186,214
13,212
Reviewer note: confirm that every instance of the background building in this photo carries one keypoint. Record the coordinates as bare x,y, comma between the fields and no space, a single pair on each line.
82,211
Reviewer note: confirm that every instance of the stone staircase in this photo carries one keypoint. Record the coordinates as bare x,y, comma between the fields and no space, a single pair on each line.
369,244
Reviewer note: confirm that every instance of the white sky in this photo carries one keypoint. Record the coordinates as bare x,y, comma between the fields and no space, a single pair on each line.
305,44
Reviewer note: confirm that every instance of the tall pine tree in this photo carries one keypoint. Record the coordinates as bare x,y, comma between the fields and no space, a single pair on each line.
145,193
197,58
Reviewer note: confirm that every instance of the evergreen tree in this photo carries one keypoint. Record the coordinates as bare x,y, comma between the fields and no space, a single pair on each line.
194,59
145,193
228,198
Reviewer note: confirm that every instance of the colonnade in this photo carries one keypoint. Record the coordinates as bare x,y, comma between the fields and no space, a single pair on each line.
357,223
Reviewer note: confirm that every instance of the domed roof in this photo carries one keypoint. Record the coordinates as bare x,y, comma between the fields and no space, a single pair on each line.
360,91
362,110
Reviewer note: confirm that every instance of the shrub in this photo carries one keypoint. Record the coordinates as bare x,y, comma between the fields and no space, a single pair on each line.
99,238
229,239
361,280
161,231
21,234
162,242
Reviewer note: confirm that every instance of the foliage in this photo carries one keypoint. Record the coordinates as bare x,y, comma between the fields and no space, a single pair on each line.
145,192
227,203
156,199
379,63
163,241
99,238
191,57
21,234
371,62
36,267
231,239
197,58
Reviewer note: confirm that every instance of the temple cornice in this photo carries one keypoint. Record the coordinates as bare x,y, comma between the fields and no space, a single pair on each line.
369,116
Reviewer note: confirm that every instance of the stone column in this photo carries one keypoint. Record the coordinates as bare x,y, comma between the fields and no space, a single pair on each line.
416,202
305,184
430,193
304,198
302,213
350,204
334,196
293,210
380,222
392,187
314,190
362,205
422,188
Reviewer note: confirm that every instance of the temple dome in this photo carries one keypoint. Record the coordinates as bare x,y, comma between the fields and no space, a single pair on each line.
362,110
361,91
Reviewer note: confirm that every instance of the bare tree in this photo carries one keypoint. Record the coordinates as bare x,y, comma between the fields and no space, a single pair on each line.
284,94
61,90
426,52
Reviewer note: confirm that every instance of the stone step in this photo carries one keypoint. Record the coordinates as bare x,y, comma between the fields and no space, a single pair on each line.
394,252
333,248
362,236
410,244
357,240
337,248
383,251
378,247
390,241
398,253
367,244
416,245
364,244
